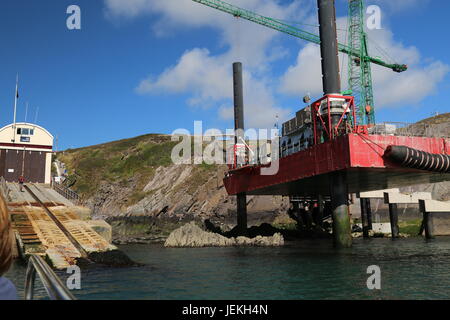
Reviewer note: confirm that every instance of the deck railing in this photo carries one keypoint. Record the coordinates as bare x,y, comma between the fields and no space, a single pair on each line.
411,129
66,192
54,287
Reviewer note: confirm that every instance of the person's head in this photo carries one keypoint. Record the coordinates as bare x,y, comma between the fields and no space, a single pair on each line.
5,239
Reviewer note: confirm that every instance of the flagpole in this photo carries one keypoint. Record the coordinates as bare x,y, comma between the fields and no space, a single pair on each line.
26,113
15,106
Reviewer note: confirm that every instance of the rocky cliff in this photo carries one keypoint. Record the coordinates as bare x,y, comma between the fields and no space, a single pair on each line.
133,184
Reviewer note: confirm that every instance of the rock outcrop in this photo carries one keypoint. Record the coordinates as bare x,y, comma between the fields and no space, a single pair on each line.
191,235
134,185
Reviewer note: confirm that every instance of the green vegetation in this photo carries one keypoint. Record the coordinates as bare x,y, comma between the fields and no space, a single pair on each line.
411,227
284,222
442,118
130,162
135,158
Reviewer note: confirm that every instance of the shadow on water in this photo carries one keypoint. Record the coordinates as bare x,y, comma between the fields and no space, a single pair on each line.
307,269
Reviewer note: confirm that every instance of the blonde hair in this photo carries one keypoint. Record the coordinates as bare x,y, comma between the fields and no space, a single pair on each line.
5,238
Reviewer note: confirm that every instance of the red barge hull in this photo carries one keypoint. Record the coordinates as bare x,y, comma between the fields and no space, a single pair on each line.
361,157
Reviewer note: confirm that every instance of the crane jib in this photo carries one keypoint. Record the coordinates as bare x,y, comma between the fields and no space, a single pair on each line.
291,30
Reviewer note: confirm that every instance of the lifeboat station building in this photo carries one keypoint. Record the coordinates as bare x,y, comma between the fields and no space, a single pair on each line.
26,149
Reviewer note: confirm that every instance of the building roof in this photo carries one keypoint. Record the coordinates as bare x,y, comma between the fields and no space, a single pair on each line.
28,124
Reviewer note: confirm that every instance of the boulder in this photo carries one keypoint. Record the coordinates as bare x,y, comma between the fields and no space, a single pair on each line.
191,235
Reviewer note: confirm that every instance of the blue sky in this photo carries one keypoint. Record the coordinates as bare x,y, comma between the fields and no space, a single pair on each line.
152,66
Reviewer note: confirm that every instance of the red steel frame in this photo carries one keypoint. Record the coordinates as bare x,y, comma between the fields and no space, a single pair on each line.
315,110
358,154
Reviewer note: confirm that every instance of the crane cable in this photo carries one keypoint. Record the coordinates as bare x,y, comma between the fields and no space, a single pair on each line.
382,51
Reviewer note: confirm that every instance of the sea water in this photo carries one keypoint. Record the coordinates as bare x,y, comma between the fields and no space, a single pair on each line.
410,269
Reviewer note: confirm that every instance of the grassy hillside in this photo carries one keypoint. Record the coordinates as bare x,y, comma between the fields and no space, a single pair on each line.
440,119
129,163
437,126
116,161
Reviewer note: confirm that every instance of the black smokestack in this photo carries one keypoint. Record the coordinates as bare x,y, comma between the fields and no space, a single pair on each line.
241,198
238,101
329,47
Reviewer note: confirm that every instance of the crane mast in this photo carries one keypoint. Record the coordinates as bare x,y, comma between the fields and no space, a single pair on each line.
360,78
359,69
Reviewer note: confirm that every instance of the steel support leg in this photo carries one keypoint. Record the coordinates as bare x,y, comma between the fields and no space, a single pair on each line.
393,216
428,224
341,218
364,217
320,211
242,213
369,214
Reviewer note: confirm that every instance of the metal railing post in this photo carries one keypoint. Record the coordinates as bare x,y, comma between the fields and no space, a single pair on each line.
54,287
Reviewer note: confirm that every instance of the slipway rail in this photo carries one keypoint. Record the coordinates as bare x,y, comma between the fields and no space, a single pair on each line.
58,223
51,229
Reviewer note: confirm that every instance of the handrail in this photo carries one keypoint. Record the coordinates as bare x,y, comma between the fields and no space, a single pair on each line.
3,187
66,192
56,290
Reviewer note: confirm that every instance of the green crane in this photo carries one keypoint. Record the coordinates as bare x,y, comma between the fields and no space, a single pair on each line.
359,69
360,78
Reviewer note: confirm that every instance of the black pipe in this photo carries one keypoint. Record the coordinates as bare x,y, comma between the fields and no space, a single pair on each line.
416,159
332,85
241,198
329,47
238,101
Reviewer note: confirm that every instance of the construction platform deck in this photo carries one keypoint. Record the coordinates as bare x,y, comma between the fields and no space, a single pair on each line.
361,157
36,231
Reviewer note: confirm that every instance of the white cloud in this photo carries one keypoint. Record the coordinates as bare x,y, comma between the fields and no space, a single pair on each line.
390,88
209,80
399,5
245,39
196,72
305,77
411,87
206,77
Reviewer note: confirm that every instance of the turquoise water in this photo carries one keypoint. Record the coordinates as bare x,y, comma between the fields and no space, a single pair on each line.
410,269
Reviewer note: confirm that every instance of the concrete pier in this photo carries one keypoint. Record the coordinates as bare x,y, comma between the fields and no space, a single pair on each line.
429,209
395,198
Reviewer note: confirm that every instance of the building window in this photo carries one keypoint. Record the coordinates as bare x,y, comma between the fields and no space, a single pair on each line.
25,131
